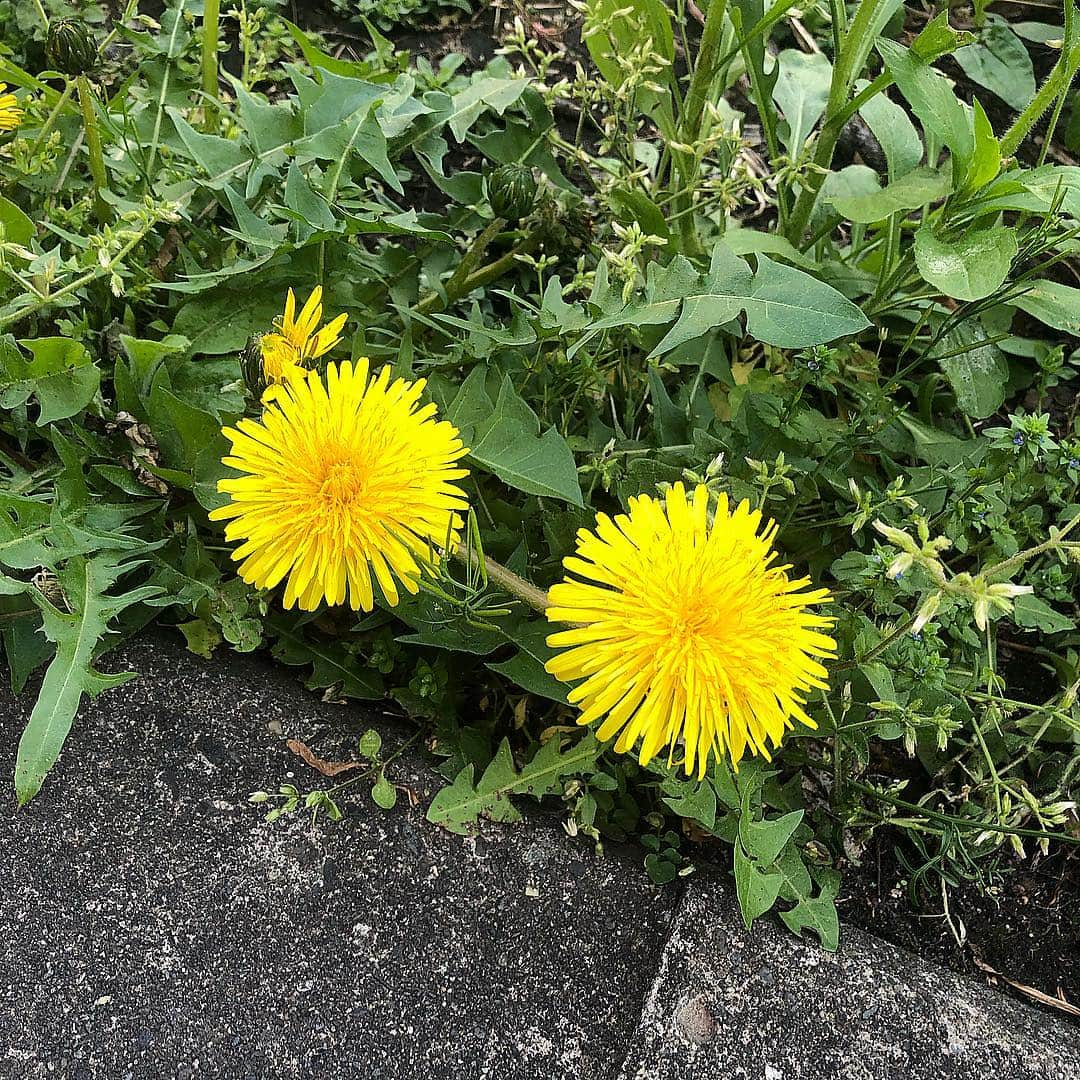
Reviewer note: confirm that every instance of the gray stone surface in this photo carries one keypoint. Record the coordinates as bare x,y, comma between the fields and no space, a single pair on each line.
154,927
728,1005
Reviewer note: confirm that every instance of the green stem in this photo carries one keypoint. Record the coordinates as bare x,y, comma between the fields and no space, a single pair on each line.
93,146
858,41
436,302
50,120
211,31
693,109
1057,84
1021,557
964,823
879,648
473,256
73,286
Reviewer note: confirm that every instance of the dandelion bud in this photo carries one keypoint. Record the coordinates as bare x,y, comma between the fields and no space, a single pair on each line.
70,47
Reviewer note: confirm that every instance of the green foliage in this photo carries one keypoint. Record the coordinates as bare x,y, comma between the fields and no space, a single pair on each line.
459,806
841,336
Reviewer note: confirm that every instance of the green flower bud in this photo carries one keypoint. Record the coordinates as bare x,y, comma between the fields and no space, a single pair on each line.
70,47
251,368
511,191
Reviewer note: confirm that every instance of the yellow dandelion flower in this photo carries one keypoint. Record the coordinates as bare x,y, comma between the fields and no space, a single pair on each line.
342,478
682,629
296,340
10,113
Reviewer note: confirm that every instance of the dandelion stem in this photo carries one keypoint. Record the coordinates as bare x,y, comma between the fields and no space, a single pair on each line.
211,28
93,146
506,579
50,120
435,302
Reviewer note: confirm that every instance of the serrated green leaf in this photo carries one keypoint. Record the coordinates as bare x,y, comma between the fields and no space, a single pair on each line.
60,374
783,306
460,806
756,889
504,437
816,913
764,840
76,634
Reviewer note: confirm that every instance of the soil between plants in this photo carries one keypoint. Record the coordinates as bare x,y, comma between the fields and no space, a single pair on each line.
1025,927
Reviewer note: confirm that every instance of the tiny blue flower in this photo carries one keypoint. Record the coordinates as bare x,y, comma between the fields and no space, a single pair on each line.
1018,439
1074,463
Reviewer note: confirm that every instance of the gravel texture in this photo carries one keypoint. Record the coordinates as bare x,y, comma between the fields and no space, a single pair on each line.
156,927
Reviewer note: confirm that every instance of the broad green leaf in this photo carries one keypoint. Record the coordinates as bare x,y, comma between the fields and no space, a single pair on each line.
76,633
383,793
222,322
504,437
1052,303
892,127
801,91
1035,614
915,188
60,374
525,141
221,159
967,266
932,99
15,226
985,161
526,668
977,370
1000,63
752,242
460,806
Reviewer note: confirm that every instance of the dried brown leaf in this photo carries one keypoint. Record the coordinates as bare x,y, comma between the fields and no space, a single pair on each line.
327,768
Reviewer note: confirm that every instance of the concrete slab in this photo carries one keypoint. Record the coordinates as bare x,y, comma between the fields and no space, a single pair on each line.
728,1004
155,927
